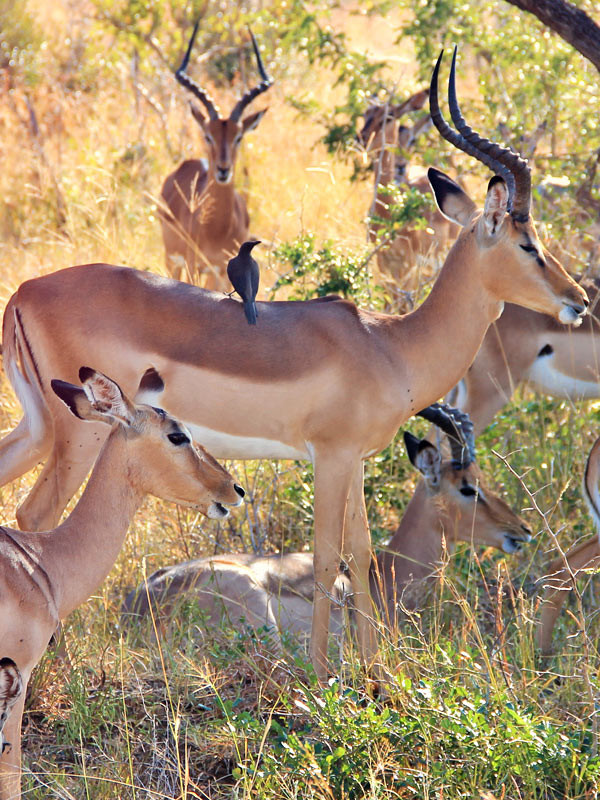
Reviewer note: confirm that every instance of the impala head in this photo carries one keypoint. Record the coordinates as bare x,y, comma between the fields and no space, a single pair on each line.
379,128
223,136
514,267
162,458
469,509
11,688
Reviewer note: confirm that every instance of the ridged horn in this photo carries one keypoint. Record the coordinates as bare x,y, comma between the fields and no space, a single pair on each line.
184,79
458,428
249,96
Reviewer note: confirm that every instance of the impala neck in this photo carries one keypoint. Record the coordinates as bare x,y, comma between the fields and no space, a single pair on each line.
216,207
413,553
446,330
80,553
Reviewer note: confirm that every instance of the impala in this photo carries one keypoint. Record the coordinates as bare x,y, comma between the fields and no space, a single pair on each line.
203,219
388,143
45,576
584,557
319,380
450,504
563,361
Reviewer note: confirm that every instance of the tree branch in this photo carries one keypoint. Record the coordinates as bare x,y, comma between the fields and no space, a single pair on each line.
571,23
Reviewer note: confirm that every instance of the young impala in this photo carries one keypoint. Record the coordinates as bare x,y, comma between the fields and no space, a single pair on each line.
45,576
203,219
319,380
388,143
450,504
585,556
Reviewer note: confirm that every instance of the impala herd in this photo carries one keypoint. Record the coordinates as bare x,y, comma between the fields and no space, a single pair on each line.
321,380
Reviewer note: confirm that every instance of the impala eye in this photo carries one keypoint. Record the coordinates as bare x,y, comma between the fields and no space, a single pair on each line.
529,248
178,438
468,491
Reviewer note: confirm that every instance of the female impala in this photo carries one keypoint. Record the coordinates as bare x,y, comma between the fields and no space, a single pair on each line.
450,504
320,380
45,576
388,143
522,345
203,219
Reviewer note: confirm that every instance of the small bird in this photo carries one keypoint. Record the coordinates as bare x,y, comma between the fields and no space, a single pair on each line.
243,273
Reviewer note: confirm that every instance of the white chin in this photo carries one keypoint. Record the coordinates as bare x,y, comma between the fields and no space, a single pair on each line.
568,316
217,511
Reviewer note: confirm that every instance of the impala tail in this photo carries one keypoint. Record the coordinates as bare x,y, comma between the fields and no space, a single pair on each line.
29,442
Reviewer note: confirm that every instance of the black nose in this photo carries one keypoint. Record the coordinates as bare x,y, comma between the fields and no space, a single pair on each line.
223,173
239,490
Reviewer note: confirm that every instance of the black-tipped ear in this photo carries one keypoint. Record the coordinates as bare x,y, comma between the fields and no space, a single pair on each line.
452,201
412,445
151,382
85,373
72,396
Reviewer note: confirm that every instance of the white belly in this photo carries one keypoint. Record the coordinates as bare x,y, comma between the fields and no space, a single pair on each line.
550,380
224,445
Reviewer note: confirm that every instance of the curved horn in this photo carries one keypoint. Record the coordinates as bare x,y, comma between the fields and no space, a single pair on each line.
458,428
252,93
190,85
510,165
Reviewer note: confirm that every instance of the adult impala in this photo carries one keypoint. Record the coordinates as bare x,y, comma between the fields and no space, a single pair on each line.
45,576
320,380
388,143
563,361
451,503
203,219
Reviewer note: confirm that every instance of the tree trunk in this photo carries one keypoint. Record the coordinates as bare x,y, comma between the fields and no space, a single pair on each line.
571,23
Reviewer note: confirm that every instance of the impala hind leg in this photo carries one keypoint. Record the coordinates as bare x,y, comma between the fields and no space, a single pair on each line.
75,449
333,477
559,583
357,553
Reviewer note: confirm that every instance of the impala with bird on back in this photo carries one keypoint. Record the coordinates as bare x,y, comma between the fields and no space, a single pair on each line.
320,380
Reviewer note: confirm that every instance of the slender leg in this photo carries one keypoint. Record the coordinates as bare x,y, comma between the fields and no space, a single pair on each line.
357,553
333,476
21,450
586,554
72,457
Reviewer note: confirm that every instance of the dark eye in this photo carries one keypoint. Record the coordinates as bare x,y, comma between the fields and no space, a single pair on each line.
178,438
468,491
529,248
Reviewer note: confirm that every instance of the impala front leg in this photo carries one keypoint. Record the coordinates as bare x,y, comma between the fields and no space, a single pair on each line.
10,760
357,553
333,477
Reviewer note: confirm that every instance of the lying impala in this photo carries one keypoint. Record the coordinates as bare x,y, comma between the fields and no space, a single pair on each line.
203,219
319,380
45,576
525,346
388,143
585,556
450,504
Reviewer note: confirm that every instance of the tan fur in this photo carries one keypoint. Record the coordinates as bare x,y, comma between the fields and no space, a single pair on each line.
45,576
509,351
277,591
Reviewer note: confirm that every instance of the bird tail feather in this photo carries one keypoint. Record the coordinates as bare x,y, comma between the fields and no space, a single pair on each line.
250,311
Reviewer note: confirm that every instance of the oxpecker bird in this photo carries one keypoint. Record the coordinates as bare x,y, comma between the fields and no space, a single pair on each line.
244,276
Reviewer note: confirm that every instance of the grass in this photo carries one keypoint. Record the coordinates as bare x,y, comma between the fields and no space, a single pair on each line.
467,706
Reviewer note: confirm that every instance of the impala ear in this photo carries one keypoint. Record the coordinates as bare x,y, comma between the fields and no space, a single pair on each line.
100,399
452,201
426,458
496,204
251,121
